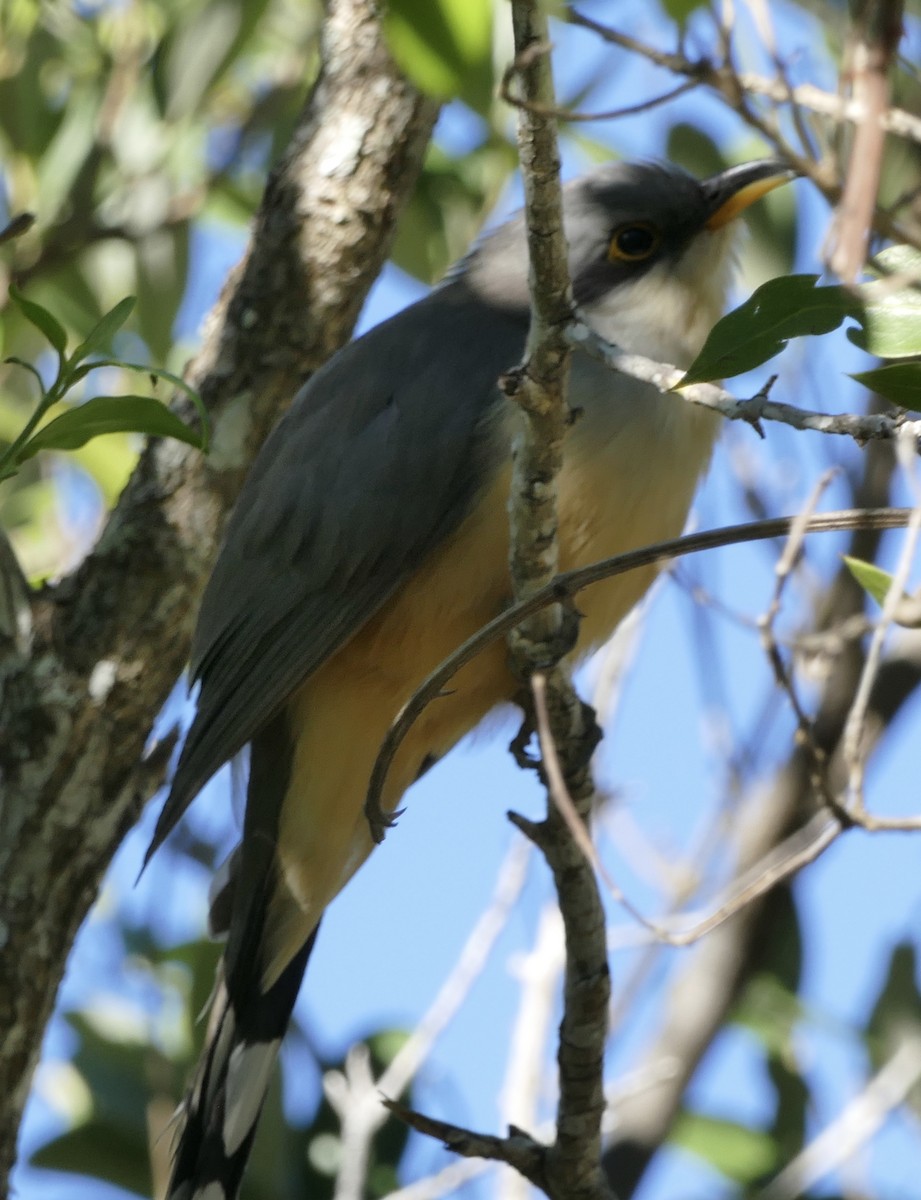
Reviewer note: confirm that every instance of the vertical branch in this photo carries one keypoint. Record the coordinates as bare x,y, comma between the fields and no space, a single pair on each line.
572,1164
570,1168
539,385
878,29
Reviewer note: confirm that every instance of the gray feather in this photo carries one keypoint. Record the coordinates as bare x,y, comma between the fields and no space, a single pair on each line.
378,460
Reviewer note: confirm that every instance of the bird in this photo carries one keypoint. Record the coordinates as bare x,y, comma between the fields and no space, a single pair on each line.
370,539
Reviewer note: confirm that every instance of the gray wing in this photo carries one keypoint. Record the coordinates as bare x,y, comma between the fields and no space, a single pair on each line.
379,458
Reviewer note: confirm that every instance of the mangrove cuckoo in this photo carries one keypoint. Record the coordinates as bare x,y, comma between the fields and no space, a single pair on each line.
371,538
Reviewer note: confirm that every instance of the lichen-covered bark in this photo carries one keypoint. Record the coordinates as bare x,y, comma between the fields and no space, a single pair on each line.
80,689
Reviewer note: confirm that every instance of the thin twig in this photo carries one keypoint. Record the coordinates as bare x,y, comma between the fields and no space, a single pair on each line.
355,1095
447,1182
784,861
519,1150
568,811
862,428
853,736
568,585
468,968
782,675
539,975
807,95
736,90
562,113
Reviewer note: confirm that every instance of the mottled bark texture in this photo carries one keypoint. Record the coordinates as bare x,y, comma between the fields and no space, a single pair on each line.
86,664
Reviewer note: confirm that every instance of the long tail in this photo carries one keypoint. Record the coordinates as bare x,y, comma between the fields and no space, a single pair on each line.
249,1015
221,1110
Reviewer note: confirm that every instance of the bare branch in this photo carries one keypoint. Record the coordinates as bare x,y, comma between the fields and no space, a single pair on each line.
861,427
573,1162
568,114
352,1095
782,675
703,990
729,83
878,29
570,1167
518,1150
737,88
538,386
539,975
570,583
466,971
852,748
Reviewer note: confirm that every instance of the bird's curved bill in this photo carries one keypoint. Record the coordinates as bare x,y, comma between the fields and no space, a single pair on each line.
732,191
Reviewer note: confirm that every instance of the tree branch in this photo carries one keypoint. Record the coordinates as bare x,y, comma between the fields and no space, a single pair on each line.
736,90
111,639
538,641
862,427
703,991
874,45
567,585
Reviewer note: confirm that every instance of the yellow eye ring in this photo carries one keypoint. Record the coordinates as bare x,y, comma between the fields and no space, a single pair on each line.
633,242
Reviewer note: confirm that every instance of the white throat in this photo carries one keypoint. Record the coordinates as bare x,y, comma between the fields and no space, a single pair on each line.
667,313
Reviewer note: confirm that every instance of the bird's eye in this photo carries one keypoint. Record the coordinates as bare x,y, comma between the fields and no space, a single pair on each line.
634,242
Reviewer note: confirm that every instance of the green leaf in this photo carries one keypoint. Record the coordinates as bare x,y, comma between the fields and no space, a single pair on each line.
898,382
444,46
907,611
871,578
695,150
162,275
27,366
154,373
736,1151
101,1150
203,439
897,1011
64,156
760,328
778,954
891,322
896,1015
196,52
109,414
385,1045
115,1062
681,10
896,260
42,319
770,1012
448,206
793,1104
100,336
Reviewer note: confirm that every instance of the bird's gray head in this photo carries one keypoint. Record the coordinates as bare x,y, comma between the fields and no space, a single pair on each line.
650,252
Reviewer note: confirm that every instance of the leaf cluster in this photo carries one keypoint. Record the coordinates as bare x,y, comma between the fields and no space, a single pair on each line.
79,424
887,316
